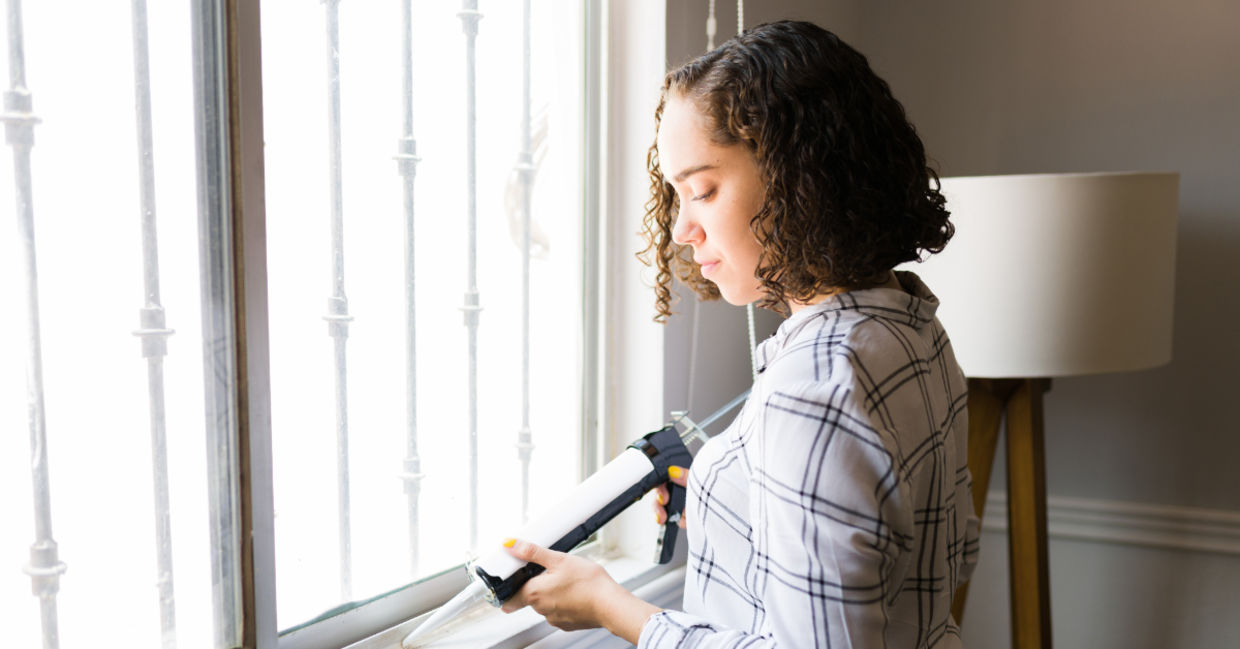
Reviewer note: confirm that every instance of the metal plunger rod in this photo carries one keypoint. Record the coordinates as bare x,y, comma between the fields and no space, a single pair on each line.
469,23
45,566
407,164
338,304
697,430
153,331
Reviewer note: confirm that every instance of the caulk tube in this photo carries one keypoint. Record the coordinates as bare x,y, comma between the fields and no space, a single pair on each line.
640,468
600,498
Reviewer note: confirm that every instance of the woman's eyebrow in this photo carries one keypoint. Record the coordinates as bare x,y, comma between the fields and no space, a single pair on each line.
690,171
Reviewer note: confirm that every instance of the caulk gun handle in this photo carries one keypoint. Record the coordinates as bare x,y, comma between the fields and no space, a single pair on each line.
665,450
675,511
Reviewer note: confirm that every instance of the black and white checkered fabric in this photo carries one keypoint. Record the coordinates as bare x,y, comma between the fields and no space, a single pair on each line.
835,511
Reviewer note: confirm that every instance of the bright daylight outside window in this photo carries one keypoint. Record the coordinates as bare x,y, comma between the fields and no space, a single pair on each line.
408,388
417,411
117,465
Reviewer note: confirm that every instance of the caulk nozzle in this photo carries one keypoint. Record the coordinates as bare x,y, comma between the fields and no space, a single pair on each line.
473,594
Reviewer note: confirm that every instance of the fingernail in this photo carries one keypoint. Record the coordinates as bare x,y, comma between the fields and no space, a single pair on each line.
675,471
508,543
659,497
658,520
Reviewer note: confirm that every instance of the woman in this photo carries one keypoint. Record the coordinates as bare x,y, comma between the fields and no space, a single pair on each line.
835,511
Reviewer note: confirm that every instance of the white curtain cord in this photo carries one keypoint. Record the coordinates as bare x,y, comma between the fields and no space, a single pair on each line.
753,337
693,349
753,342
711,27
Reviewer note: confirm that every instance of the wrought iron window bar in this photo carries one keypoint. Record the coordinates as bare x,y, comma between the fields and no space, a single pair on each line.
153,330
45,566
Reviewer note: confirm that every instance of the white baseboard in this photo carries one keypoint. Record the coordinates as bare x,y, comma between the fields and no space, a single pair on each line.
1111,521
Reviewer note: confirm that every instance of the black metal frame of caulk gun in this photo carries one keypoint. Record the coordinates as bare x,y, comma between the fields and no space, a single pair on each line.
664,448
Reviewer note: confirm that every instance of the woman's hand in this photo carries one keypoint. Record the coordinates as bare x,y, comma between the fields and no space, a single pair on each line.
575,593
678,475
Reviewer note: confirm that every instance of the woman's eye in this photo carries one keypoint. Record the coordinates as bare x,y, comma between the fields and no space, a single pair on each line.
704,195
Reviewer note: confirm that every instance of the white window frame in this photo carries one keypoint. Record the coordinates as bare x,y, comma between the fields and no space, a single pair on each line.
626,60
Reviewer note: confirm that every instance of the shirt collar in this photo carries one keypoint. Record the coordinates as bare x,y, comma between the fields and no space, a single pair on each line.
915,307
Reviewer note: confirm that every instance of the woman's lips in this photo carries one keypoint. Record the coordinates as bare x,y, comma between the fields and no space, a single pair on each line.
708,267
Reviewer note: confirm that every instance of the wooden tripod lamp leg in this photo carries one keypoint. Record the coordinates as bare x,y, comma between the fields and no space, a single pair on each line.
1020,400
1030,573
985,416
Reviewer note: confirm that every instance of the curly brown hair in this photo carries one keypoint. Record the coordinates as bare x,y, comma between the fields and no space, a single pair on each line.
848,192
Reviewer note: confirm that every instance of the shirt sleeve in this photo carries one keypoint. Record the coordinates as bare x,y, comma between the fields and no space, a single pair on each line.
831,530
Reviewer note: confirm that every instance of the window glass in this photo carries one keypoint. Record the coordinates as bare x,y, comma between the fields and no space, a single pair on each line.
117,463
375,482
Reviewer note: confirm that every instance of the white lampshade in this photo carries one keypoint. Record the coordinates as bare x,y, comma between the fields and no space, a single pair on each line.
1058,274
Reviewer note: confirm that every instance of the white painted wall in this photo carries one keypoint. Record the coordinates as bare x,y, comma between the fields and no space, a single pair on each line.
1057,86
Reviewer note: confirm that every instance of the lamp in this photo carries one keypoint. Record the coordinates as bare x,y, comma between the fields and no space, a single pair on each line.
1048,275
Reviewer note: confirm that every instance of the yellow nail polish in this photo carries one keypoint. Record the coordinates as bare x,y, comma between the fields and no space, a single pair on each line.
658,520
675,471
508,543
659,497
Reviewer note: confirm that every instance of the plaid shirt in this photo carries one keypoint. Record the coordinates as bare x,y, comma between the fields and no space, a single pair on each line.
835,511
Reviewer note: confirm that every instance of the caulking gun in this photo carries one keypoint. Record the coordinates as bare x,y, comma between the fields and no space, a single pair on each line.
600,498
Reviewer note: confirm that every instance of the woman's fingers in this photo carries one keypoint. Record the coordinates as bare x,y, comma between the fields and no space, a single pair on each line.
569,593
515,603
660,499
678,475
532,553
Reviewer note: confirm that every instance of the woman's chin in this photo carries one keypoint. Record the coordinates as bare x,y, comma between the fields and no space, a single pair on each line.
738,298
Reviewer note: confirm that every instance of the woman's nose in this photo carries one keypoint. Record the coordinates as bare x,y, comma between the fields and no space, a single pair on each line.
685,231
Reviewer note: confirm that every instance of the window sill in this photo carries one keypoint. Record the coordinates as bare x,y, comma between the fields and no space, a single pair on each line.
493,629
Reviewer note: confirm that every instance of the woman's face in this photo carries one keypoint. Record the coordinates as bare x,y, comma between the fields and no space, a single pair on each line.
719,189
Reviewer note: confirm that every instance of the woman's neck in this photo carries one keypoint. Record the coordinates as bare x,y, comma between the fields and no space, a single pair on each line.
890,281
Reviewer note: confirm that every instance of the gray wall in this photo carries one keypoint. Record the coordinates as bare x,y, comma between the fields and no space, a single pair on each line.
1098,85
1059,85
